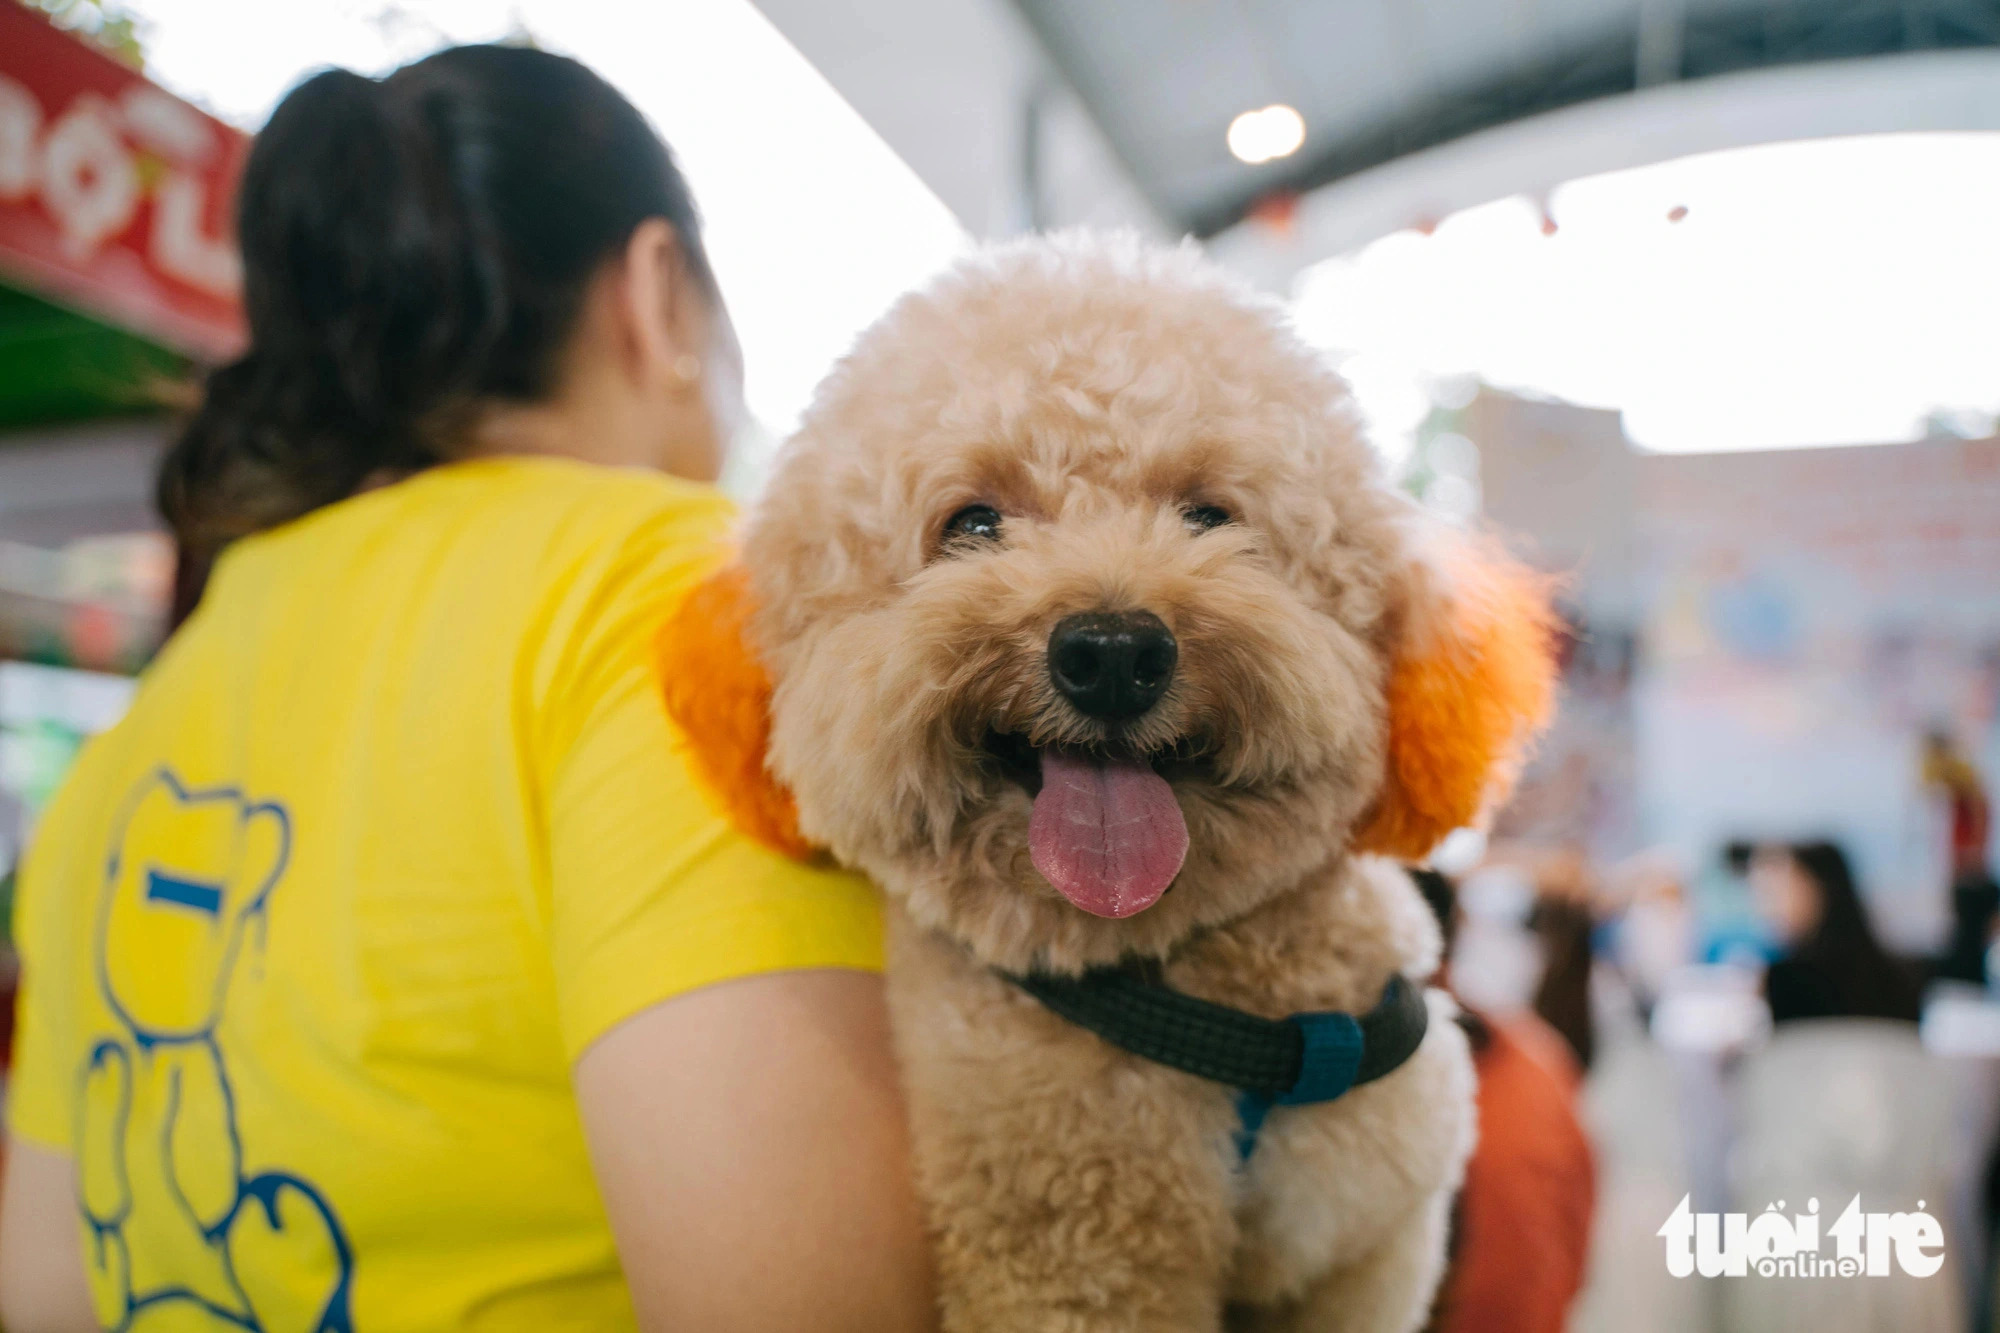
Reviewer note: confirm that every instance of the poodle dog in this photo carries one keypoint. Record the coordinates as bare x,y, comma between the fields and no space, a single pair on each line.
1079,617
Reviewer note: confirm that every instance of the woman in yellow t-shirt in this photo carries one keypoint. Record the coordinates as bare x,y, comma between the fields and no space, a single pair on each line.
374,964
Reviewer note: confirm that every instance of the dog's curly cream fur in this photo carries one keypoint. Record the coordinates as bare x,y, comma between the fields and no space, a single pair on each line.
1343,678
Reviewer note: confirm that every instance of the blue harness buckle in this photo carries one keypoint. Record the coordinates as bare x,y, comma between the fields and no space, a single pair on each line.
1333,1047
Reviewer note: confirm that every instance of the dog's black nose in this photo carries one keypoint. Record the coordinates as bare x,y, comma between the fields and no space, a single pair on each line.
1112,666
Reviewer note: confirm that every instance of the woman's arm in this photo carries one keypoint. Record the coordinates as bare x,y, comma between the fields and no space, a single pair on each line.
42,1286
749,1141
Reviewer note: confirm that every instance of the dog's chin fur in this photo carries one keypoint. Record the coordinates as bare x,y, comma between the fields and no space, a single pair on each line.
1090,392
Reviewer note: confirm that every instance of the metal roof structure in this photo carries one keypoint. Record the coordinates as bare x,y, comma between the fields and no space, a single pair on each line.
1377,80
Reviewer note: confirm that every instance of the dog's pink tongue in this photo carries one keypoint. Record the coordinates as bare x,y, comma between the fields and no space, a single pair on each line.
1109,835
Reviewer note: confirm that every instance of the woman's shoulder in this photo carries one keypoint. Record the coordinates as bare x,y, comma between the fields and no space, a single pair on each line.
519,521
587,501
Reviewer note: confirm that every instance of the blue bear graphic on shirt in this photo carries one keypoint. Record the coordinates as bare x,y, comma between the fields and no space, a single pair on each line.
180,1225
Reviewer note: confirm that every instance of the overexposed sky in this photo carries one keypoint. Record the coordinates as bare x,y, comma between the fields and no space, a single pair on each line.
1834,291
814,224
1829,292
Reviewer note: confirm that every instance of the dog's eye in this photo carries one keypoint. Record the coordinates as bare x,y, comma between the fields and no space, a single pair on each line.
974,523
1201,518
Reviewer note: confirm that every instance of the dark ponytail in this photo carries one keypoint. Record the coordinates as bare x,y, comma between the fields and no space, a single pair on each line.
411,246
1863,980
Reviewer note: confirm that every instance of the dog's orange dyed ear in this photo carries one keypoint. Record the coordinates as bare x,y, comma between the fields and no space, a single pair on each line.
720,696
1472,682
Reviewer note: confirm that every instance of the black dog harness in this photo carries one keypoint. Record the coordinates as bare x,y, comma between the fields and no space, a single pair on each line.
1313,1057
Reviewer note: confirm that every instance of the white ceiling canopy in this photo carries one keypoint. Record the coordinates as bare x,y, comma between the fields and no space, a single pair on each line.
1377,80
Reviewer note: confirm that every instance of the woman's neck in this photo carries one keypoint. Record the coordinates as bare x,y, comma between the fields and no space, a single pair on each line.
588,427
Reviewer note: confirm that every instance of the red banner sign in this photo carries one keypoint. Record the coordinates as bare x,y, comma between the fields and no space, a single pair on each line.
114,195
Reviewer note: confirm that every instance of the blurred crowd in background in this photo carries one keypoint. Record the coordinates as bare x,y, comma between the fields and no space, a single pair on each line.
1738,390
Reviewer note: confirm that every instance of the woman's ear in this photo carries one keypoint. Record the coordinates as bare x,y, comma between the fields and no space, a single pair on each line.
1471,682
719,694
646,286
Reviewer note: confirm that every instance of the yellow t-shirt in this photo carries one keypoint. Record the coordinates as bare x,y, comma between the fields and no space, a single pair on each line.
395,828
